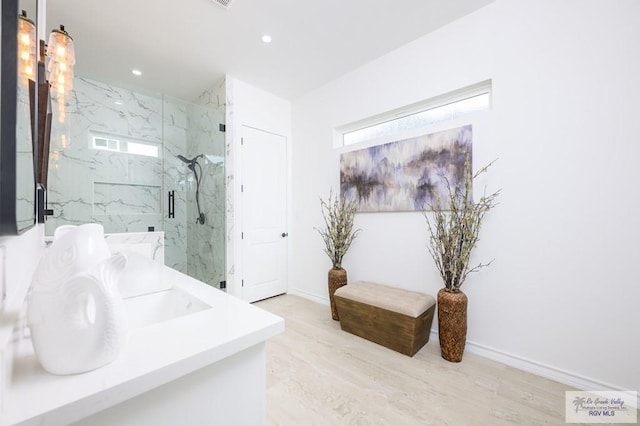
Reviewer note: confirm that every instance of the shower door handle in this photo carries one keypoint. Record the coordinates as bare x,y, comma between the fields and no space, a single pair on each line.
172,204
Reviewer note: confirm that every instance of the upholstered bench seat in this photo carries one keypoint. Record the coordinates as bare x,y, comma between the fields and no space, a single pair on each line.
396,318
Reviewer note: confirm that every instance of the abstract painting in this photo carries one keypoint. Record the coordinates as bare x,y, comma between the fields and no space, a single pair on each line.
406,175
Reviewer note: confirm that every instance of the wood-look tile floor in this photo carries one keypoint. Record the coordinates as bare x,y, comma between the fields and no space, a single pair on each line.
319,375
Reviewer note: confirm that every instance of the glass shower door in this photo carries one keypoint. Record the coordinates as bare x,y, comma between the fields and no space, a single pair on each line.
194,181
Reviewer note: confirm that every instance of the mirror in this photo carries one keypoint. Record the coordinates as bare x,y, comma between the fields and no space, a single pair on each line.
17,178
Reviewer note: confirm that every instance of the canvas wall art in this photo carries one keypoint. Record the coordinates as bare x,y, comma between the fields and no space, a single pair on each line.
406,175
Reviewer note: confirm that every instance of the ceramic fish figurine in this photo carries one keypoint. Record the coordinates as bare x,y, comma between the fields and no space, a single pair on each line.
75,311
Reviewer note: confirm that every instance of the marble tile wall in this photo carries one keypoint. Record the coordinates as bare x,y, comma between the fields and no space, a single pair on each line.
24,158
225,91
148,244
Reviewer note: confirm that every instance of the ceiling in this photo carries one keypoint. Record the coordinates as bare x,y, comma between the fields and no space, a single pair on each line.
184,47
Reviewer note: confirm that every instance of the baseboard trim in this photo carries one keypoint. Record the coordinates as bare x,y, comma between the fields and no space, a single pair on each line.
540,369
307,295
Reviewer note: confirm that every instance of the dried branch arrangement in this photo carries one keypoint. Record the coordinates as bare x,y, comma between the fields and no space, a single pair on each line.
338,233
453,230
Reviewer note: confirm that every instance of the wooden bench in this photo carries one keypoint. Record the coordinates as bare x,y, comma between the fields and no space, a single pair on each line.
396,318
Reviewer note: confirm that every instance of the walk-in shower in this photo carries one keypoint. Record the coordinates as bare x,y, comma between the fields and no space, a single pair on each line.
164,173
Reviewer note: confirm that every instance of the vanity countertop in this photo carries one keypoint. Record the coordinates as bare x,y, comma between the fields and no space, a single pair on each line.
155,355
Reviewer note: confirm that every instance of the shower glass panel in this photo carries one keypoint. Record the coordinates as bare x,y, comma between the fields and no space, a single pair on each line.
194,177
116,160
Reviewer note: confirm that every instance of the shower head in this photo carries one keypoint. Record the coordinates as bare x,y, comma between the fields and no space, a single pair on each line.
213,159
184,160
187,161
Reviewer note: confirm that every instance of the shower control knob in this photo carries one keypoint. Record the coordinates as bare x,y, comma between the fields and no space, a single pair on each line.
285,234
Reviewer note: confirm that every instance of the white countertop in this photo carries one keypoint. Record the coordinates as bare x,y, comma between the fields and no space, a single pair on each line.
155,354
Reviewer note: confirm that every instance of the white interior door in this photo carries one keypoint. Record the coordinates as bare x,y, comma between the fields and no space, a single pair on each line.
264,214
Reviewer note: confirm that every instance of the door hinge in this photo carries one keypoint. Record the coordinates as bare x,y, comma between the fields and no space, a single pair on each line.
241,141
242,283
241,188
242,235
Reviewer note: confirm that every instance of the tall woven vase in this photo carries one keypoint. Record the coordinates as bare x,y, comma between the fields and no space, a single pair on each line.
337,279
452,324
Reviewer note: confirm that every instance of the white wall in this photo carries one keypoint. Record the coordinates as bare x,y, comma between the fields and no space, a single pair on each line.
563,292
246,106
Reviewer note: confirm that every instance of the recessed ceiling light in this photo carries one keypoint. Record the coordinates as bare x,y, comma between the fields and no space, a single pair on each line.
266,38
136,72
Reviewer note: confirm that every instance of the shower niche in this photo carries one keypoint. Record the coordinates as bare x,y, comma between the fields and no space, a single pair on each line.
135,162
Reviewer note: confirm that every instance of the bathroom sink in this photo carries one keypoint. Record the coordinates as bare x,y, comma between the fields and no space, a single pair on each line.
153,308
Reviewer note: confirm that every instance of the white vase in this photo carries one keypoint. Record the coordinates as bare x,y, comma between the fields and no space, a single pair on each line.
75,311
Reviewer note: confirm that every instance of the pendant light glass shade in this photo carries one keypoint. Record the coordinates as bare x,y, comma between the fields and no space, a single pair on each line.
62,58
26,47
